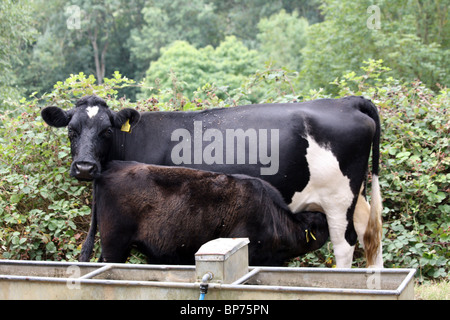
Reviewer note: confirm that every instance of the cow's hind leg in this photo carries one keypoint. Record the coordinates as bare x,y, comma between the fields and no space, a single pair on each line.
343,250
343,235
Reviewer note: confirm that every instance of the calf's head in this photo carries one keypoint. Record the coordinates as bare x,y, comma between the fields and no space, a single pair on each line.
314,232
91,126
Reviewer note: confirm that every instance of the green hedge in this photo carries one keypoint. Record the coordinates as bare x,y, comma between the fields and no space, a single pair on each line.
45,214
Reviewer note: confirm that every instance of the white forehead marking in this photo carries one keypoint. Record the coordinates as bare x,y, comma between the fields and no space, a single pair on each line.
92,111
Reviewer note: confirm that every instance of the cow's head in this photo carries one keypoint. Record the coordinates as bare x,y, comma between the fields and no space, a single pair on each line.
91,127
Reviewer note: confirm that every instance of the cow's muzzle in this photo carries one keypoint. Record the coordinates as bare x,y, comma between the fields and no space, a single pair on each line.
84,170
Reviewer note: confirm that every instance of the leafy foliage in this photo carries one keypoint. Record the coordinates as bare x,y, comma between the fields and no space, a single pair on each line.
227,65
44,214
341,42
210,53
168,21
39,204
282,37
16,31
321,39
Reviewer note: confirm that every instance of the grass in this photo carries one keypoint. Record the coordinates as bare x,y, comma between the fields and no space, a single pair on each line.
432,291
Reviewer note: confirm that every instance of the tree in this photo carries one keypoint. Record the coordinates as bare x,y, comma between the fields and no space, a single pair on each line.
102,22
16,31
227,65
87,36
344,40
100,37
241,17
165,21
204,22
282,37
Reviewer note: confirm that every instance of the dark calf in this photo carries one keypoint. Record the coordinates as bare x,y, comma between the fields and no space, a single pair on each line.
169,212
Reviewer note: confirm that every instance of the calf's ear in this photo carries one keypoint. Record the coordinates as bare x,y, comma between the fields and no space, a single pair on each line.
56,117
128,114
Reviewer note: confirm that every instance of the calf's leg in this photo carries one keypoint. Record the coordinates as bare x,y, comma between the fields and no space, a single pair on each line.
115,246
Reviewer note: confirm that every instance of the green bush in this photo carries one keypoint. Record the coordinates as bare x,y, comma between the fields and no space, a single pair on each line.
40,205
44,214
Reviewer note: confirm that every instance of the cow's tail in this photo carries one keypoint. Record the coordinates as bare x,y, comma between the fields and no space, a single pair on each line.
373,233
88,245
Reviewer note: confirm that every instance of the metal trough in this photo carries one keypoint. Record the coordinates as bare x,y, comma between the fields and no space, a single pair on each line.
61,280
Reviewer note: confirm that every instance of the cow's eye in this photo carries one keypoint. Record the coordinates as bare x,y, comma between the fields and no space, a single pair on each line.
107,133
72,133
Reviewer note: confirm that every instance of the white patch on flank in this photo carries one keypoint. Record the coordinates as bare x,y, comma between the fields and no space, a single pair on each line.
328,190
92,111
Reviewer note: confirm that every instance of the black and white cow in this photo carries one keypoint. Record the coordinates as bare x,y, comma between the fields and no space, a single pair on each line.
315,153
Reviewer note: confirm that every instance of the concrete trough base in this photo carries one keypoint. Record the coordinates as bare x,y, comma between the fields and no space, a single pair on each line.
223,261
53,280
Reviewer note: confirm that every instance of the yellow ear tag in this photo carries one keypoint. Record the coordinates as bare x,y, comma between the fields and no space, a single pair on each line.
307,237
126,127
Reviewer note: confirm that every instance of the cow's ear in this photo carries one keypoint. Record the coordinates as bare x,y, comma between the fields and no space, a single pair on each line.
56,117
128,114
